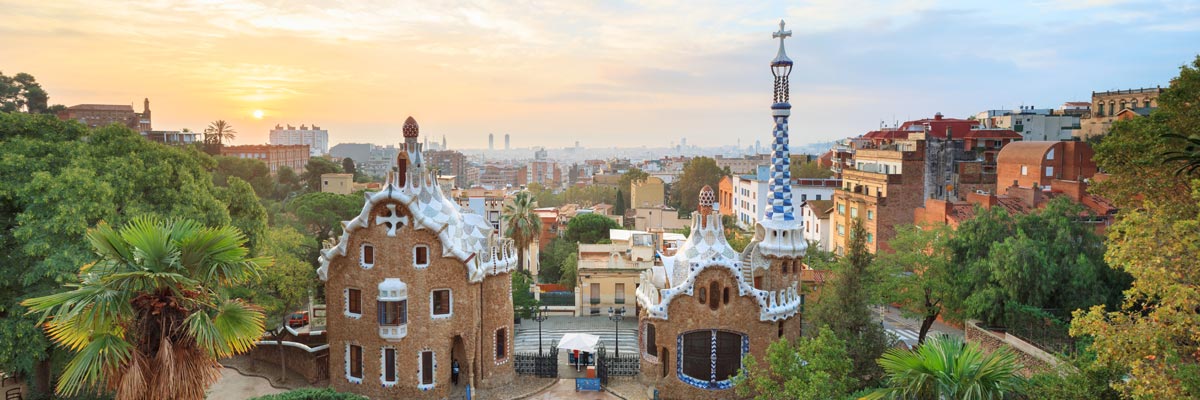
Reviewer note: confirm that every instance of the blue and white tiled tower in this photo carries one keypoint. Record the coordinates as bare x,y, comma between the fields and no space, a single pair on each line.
779,234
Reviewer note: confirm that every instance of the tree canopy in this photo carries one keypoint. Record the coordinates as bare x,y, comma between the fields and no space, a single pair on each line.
697,173
316,167
22,93
920,270
815,368
589,228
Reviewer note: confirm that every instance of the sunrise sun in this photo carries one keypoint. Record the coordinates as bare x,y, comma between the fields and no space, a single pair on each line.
258,114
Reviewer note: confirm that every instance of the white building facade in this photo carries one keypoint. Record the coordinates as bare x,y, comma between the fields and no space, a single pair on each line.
1033,124
316,138
815,215
750,194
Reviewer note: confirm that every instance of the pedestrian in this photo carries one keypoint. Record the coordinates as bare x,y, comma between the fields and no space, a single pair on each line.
454,371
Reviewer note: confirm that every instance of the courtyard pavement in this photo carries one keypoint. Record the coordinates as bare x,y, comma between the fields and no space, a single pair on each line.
235,386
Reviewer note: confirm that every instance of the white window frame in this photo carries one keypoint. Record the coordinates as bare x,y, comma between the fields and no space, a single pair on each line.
421,368
1049,171
427,256
507,344
1024,170
346,303
356,381
431,307
362,257
383,366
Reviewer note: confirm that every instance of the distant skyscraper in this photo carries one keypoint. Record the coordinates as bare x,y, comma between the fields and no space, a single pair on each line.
491,141
683,143
506,142
444,147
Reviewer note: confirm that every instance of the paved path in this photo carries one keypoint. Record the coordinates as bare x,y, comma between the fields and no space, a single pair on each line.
235,386
526,338
565,389
907,329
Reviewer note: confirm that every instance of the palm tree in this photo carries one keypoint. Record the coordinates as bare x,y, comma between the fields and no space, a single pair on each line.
524,226
947,368
149,319
1190,155
218,132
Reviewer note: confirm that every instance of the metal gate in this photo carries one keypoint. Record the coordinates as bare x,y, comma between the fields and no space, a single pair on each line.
545,365
612,365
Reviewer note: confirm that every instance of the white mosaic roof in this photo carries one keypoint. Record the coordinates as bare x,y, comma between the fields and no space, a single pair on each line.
464,235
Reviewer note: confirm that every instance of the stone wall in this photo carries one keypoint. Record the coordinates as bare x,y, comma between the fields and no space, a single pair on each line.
312,366
1032,359
467,334
687,314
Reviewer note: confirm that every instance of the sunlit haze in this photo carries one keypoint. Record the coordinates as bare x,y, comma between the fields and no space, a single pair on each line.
604,73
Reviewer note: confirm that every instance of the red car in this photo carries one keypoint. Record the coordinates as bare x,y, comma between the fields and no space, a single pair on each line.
298,318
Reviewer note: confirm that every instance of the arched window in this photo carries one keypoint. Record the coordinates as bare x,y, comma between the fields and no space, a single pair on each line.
714,291
702,294
650,344
725,295
709,358
784,264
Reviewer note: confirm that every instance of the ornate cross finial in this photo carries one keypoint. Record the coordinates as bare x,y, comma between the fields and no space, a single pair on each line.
782,34
392,221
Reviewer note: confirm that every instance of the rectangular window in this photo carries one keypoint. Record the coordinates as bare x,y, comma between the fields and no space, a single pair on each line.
354,301
818,197
803,197
870,215
440,302
421,256
853,212
1049,171
651,345
841,230
426,367
393,313
389,365
368,254
356,362
501,343
619,294
841,209
870,238
1024,170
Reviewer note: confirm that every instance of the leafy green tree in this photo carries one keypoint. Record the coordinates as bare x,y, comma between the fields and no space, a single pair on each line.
245,212
523,225
22,93
920,269
149,318
316,167
948,368
1080,378
589,228
570,271
588,195
845,307
322,214
254,172
57,179
524,304
1153,331
284,287
348,166
810,170
552,258
812,368
697,173
619,204
286,183
545,197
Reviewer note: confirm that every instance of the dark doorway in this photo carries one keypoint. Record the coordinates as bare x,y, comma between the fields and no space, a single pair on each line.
665,357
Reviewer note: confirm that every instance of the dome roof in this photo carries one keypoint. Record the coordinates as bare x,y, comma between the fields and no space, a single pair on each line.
410,128
707,198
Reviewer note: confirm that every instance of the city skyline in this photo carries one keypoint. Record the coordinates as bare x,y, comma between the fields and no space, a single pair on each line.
553,74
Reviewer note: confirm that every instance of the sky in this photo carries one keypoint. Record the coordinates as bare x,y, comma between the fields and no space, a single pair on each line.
604,73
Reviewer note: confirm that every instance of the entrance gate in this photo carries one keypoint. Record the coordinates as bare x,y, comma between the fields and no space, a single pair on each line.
608,365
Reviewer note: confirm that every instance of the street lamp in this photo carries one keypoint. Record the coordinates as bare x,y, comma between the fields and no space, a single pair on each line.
541,316
616,317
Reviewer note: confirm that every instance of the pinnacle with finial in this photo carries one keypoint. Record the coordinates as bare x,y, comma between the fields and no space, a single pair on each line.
782,34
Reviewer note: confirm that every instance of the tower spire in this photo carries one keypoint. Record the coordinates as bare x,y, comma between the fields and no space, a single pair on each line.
781,208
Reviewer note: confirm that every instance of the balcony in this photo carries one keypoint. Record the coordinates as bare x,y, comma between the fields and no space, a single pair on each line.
393,332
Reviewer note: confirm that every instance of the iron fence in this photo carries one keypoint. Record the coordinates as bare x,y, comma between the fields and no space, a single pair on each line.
1044,328
545,365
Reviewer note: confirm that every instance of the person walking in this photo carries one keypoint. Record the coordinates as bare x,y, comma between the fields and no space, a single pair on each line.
454,371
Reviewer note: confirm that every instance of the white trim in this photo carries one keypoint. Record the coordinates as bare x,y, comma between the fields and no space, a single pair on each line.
421,367
346,303
362,258
300,346
354,380
383,366
431,308
507,345
427,257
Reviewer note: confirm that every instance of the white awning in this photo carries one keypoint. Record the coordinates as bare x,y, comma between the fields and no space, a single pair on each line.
579,341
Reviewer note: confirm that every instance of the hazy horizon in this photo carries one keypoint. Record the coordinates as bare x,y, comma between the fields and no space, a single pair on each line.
602,74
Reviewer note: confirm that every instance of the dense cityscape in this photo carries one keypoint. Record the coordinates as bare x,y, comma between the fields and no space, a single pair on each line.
1025,252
